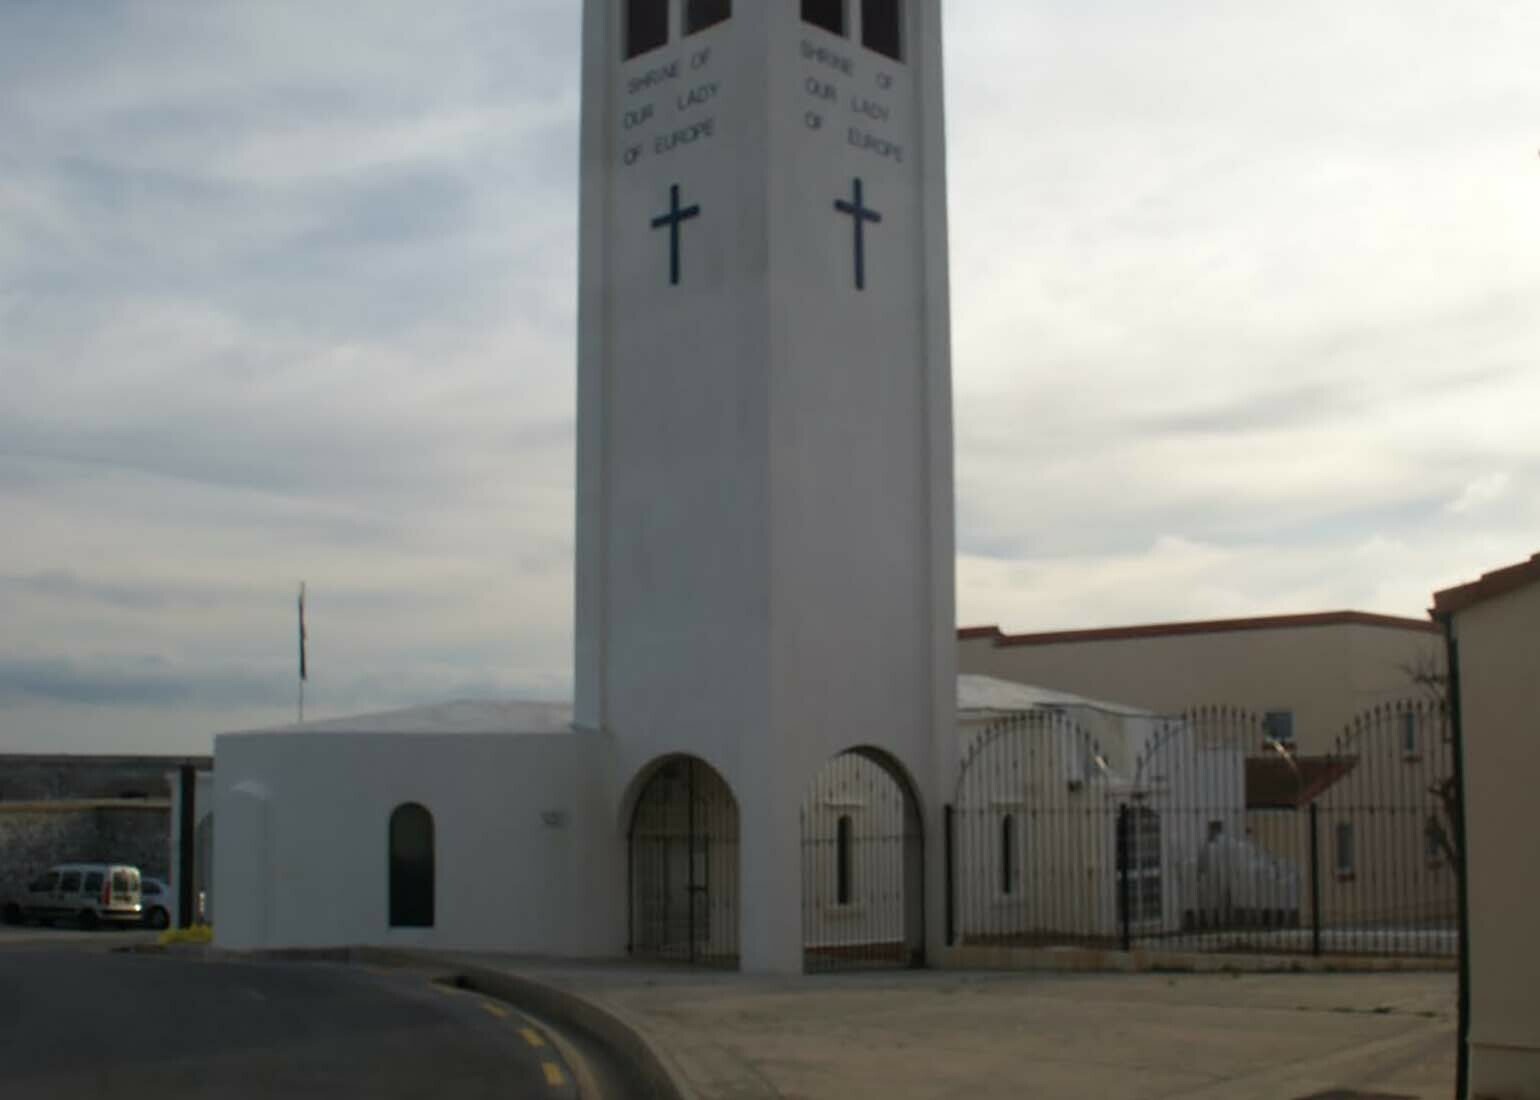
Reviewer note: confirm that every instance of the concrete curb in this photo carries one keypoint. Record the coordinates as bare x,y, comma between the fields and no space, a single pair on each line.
1086,960
652,1075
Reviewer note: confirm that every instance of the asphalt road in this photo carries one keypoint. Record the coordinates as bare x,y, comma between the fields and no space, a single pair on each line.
89,1024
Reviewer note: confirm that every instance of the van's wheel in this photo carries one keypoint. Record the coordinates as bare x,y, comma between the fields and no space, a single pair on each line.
88,919
158,919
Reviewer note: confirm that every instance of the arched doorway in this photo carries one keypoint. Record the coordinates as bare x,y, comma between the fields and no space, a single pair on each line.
683,866
863,866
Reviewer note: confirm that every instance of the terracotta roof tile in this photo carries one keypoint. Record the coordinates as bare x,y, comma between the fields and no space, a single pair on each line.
1272,784
1211,626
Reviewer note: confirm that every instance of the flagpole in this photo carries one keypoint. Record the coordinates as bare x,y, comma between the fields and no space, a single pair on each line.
303,676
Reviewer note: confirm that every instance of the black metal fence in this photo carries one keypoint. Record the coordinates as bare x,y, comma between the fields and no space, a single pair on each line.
1206,833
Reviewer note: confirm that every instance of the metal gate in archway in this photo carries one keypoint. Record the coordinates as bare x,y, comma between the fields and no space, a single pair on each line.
863,862
682,867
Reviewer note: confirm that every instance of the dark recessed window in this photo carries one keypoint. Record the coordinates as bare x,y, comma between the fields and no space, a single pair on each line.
1008,854
700,14
1278,727
646,26
843,834
828,14
411,867
882,27
1346,849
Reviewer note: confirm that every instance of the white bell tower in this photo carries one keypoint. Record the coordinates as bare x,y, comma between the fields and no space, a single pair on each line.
765,519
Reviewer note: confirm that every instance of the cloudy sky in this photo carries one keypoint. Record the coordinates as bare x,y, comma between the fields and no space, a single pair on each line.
1246,312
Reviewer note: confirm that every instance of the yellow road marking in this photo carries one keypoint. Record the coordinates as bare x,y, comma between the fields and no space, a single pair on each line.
497,1010
553,1075
532,1037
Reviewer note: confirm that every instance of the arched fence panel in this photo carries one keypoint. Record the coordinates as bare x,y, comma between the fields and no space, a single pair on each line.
862,867
1389,874
1033,836
1209,831
1225,890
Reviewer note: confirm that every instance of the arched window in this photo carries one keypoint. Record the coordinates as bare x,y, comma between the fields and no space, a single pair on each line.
1008,854
842,840
411,867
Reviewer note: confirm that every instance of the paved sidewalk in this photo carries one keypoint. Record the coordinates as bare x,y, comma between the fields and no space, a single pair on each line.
1044,1036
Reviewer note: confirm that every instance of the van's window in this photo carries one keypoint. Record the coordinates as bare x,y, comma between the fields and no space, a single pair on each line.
93,882
150,889
45,884
121,885
69,882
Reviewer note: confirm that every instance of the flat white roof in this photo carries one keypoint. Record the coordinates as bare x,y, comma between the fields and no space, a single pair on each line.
976,696
986,694
463,717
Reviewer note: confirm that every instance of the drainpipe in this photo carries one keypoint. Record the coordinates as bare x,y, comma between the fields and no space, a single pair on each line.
1457,734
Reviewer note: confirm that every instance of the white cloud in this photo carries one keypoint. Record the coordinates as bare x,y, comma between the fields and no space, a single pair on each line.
1243,321
1481,493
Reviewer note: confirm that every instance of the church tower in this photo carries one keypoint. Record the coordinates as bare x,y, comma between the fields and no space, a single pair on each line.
765,518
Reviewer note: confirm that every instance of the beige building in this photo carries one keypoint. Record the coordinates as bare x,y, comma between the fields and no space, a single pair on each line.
1494,626
1310,675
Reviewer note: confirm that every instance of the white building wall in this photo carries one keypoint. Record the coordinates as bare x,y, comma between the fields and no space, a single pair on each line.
529,850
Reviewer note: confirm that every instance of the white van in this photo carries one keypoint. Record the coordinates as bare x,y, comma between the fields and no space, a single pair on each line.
88,893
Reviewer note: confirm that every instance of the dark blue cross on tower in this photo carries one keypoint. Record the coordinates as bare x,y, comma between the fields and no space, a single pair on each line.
858,210
672,219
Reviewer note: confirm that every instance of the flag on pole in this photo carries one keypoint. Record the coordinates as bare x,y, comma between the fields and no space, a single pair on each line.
302,675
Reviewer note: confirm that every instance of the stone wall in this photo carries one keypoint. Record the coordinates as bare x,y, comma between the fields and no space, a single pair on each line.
59,809
35,836
31,778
